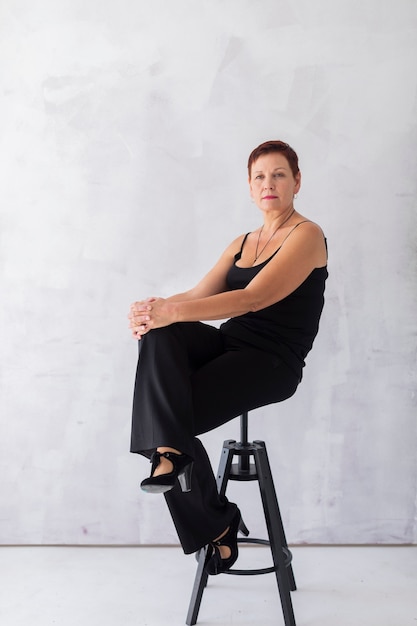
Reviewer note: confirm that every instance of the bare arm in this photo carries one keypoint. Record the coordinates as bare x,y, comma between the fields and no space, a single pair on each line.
214,282
303,251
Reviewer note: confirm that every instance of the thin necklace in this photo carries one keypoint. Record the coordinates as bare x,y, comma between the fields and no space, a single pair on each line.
275,231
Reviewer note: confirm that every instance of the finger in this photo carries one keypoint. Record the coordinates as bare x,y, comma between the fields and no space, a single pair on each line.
144,306
139,320
136,306
140,316
141,311
138,331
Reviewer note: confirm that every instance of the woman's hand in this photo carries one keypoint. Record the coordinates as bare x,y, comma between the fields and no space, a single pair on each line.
148,314
139,317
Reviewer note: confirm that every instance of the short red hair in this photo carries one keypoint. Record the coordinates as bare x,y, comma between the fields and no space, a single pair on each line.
275,146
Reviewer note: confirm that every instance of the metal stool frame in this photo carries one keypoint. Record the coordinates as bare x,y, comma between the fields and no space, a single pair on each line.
244,470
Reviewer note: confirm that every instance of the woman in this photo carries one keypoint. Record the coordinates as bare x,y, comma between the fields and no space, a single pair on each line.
192,377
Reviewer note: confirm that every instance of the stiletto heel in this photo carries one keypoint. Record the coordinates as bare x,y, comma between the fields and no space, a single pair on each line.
182,468
184,477
217,565
243,528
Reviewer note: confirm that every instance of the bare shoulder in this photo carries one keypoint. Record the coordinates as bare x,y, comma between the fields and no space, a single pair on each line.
235,245
304,224
307,229
239,240
308,236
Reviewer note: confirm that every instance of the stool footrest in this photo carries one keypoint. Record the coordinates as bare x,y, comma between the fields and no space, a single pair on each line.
263,570
251,572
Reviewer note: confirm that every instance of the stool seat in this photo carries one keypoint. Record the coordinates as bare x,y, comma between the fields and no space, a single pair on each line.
245,470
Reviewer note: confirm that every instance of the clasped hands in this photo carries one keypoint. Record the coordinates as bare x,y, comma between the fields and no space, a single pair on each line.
148,314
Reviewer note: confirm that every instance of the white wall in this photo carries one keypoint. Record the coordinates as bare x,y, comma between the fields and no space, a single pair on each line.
126,128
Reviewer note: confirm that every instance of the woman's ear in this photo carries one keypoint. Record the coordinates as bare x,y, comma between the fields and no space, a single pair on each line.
297,182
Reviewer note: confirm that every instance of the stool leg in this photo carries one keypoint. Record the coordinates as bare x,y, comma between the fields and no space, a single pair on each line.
275,530
225,464
200,582
281,531
201,576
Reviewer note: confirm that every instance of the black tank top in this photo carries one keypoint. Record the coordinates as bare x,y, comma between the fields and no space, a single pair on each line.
286,328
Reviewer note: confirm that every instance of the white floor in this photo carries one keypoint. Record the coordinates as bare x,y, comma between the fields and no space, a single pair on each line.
142,586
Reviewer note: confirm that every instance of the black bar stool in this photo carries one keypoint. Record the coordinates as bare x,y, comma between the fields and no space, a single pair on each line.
244,470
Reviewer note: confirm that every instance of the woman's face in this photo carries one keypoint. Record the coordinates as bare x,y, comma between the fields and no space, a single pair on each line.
272,183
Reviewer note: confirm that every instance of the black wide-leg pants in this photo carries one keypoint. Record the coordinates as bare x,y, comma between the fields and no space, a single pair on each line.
192,377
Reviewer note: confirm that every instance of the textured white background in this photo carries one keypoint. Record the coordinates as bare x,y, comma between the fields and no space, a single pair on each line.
125,130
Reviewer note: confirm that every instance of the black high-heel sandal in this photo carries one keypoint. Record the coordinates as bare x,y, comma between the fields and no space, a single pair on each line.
183,465
217,565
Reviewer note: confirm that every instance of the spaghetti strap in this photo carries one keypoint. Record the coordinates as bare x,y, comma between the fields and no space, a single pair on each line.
243,242
292,229
285,239
239,254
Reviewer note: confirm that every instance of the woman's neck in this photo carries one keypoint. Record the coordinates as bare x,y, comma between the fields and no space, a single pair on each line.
274,222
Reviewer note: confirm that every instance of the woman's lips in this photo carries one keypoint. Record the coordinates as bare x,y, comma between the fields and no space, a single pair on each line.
269,197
